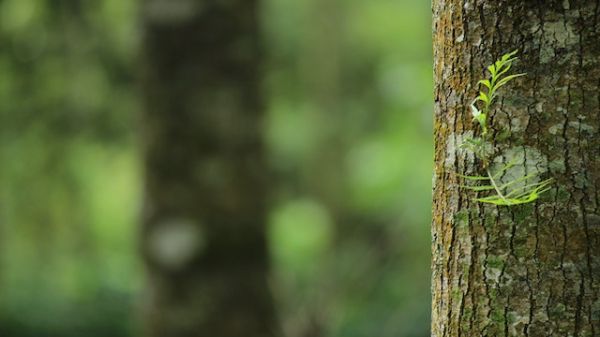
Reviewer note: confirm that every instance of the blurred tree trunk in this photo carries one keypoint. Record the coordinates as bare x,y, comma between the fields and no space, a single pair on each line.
530,270
204,219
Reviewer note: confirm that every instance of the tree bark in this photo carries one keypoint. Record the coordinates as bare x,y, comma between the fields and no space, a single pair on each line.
530,270
204,221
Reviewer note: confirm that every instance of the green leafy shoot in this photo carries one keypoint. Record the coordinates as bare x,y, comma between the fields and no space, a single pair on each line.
507,194
517,191
498,78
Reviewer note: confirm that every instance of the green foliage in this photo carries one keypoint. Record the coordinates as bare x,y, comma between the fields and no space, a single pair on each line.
300,234
520,190
498,78
70,178
514,192
349,125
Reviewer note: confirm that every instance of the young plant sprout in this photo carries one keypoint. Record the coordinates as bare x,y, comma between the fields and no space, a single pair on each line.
520,190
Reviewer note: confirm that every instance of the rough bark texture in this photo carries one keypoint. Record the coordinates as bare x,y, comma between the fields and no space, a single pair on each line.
204,220
531,270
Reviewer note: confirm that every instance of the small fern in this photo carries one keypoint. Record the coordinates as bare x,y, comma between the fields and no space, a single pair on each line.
514,192
522,190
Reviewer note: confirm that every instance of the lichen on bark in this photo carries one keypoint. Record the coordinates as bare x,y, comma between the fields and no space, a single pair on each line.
531,270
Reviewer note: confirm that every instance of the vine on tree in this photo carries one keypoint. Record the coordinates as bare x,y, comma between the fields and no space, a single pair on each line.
517,190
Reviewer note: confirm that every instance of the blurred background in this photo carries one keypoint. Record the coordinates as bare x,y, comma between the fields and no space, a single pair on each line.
349,123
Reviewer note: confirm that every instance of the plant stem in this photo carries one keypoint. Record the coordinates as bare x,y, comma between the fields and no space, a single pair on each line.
496,188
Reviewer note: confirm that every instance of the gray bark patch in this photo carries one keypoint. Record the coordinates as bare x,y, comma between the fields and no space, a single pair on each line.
455,150
523,161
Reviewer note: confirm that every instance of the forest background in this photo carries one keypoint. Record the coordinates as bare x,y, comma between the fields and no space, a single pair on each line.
348,88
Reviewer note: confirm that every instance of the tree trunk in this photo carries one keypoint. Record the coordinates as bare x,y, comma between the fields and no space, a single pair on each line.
530,270
204,220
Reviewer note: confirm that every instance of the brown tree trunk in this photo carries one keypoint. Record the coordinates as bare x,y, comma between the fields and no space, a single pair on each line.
530,270
204,221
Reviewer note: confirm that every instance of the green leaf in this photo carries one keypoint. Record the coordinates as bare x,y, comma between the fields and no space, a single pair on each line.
485,83
506,79
473,177
483,97
510,55
493,200
478,188
482,119
504,69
